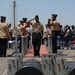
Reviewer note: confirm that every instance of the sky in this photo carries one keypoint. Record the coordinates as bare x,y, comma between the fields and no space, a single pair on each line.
44,8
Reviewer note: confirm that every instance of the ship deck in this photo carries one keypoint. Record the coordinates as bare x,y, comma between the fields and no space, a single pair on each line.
68,54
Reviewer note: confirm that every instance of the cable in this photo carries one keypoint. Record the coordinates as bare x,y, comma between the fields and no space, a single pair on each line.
22,3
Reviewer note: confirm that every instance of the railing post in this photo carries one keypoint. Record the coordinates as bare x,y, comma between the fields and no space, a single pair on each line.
23,45
50,44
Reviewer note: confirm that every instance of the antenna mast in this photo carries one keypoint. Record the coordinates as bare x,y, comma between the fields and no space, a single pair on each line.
14,10
15,27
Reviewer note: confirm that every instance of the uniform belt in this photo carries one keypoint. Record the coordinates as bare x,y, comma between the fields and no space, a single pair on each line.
36,33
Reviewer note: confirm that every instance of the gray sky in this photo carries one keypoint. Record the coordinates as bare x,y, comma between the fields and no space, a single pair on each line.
44,8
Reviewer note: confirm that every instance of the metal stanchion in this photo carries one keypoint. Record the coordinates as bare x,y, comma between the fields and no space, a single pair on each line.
50,44
16,41
23,38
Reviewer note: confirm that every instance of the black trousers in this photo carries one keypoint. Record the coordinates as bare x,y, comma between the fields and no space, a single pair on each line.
28,40
54,41
67,41
20,44
36,40
3,47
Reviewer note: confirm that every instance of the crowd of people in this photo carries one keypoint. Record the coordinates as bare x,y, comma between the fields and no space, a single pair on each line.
66,32
53,28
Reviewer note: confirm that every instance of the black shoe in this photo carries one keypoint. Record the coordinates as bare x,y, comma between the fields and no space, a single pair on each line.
35,55
38,55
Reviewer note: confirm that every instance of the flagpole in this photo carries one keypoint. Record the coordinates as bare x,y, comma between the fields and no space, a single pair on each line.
15,27
14,8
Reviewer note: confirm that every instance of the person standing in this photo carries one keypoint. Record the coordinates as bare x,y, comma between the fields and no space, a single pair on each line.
48,27
37,35
55,29
4,35
68,36
73,30
21,32
10,29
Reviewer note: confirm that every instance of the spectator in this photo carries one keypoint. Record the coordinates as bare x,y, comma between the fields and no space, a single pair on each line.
10,29
61,31
73,30
46,37
67,36
4,35
48,27
28,37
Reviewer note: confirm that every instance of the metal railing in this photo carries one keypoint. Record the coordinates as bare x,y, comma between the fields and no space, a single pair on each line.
24,44
61,43
50,44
